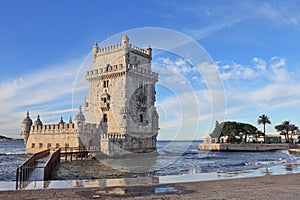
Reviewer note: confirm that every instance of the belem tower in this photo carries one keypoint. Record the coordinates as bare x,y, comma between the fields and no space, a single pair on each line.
120,106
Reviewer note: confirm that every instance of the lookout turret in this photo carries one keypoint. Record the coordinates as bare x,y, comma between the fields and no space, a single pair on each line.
95,51
26,125
125,40
79,120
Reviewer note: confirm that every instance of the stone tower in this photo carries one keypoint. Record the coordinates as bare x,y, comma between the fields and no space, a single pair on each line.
121,97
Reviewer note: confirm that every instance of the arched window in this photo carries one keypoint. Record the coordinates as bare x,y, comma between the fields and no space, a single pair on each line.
141,118
105,118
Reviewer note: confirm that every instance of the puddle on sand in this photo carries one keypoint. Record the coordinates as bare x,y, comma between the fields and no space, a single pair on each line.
166,190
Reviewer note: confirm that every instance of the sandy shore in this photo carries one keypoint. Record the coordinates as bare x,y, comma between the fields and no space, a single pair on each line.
266,187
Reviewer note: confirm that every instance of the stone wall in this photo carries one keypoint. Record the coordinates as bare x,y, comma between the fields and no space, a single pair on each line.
53,135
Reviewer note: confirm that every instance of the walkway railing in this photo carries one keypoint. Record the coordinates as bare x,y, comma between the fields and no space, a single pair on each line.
24,170
47,164
78,152
51,164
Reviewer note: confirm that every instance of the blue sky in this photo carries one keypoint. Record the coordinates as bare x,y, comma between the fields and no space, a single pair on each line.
254,44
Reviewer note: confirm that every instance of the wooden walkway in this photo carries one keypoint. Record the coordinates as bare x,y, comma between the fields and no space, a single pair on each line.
36,168
38,172
41,165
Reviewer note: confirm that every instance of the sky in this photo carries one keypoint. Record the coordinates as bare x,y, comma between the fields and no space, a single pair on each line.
254,46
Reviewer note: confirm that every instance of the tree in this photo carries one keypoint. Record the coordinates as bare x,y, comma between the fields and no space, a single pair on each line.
280,128
285,128
293,128
264,119
217,132
232,130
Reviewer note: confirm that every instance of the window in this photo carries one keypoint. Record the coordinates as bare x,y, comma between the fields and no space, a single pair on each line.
124,116
57,145
40,145
33,145
105,118
67,145
105,84
49,145
141,118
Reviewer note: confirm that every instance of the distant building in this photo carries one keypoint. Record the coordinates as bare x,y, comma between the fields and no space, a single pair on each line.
120,106
273,138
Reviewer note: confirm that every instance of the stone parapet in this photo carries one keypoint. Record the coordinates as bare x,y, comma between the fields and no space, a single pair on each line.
52,128
134,69
143,72
119,47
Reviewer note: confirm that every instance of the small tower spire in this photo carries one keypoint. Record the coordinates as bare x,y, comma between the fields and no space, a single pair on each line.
95,51
149,50
70,120
79,119
61,120
125,40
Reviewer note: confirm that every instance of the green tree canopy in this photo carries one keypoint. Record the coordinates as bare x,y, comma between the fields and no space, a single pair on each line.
232,129
286,128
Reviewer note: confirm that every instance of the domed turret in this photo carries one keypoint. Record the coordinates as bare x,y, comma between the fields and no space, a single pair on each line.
26,125
61,123
38,121
79,119
125,40
61,120
70,120
149,50
95,51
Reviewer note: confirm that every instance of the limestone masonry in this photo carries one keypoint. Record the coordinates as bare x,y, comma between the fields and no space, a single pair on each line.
120,107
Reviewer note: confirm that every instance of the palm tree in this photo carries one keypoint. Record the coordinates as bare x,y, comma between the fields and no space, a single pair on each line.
264,119
293,128
285,128
282,131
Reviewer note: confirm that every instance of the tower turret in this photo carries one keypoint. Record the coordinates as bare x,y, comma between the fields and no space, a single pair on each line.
38,121
26,125
125,40
61,122
79,120
149,50
70,120
95,51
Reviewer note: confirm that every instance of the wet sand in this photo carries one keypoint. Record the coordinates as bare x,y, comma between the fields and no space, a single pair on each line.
87,169
266,187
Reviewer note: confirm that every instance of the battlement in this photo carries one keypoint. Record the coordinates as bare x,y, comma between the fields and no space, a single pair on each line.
118,47
52,128
120,68
113,136
139,50
141,71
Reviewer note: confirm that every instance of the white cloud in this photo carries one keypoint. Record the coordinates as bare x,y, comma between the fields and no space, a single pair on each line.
235,71
47,92
277,88
259,64
215,18
285,14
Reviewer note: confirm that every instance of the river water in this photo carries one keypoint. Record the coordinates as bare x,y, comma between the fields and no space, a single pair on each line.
173,158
